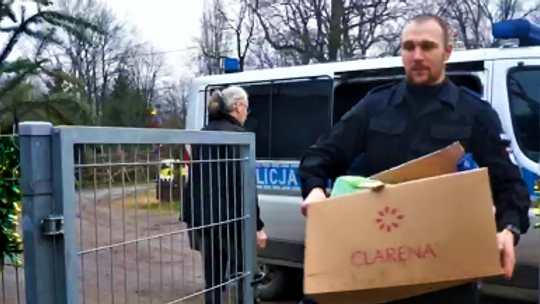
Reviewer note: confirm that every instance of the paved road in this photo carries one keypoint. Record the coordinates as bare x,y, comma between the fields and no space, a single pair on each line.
486,300
503,301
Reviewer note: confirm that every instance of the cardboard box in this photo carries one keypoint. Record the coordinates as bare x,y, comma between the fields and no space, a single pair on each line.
430,229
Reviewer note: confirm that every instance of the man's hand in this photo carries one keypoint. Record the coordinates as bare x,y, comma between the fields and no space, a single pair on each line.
316,195
261,239
505,241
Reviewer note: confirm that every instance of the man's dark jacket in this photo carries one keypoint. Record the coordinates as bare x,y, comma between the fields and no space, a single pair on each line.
383,130
214,191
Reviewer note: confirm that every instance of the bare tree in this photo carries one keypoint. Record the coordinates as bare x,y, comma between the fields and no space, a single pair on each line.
499,10
326,30
371,23
242,23
263,56
96,62
468,18
297,25
174,104
147,68
212,47
473,19
390,39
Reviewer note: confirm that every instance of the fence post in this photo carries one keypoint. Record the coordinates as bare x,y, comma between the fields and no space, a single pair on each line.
42,232
250,227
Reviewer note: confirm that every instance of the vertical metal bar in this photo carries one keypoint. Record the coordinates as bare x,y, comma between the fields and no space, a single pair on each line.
227,203
249,201
111,251
124,222
213,228
191,181
171,198
2,276
137,228
96,254
236,216
64,196
171,228
38,203
220,219
17,284
81,216
203,229
148,234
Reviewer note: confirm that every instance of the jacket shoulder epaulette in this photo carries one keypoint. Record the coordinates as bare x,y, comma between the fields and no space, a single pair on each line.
387,87
472,94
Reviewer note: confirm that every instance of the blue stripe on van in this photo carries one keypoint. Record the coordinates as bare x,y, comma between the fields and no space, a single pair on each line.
280,176
284,175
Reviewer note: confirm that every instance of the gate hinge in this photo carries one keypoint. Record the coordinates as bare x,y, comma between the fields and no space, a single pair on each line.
53,225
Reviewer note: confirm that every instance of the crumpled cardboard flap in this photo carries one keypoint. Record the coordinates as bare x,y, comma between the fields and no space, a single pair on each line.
437,163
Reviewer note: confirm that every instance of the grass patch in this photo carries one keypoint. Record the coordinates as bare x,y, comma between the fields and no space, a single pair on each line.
536,203
164,207
146,200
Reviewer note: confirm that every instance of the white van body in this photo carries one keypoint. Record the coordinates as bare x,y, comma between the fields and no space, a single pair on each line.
313,97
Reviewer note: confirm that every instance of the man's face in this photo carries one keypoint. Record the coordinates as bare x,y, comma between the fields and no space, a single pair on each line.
424,52
242,110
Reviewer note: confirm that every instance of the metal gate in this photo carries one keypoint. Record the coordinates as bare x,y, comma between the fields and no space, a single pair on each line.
101,210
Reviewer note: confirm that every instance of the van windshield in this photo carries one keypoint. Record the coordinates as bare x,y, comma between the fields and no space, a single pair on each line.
288,116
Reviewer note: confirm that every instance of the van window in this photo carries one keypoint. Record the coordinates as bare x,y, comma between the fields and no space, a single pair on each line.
524,98
288,117
259,117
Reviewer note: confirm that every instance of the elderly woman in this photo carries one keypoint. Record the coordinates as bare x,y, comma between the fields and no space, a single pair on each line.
214,196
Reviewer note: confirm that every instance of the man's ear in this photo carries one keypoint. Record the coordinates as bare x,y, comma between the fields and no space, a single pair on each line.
448,51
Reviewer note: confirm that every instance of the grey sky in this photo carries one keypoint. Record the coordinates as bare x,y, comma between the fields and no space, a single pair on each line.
169,25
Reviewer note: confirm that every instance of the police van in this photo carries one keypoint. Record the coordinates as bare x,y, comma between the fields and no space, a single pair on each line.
291,107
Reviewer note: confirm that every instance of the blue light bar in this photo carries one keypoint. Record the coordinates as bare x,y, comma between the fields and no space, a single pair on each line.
231,65
527,32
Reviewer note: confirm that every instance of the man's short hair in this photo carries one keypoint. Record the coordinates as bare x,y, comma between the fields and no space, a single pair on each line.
442,23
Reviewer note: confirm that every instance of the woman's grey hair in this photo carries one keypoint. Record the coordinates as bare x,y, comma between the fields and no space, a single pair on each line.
230,97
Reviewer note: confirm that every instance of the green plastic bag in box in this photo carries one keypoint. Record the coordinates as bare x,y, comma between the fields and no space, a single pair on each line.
349,184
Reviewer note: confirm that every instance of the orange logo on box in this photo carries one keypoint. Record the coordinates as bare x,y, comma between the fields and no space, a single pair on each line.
394,254
388,219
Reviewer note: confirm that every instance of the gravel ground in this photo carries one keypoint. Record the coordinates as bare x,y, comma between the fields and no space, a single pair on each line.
159,269
486,300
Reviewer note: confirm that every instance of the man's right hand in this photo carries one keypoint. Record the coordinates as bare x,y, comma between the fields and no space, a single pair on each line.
261,239
316,195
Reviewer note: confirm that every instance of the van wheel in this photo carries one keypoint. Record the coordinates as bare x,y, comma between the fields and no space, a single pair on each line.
278,283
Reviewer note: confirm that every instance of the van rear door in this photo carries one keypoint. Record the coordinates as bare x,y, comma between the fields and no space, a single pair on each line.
287,117
517,101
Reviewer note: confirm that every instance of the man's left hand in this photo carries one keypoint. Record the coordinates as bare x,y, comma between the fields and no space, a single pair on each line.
505,241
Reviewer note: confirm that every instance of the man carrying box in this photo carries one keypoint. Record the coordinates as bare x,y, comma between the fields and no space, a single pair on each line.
395,124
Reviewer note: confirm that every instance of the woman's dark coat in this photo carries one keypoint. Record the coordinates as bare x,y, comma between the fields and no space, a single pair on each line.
214,191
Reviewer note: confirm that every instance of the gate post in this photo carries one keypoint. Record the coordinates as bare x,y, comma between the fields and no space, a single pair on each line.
44,259
250,227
